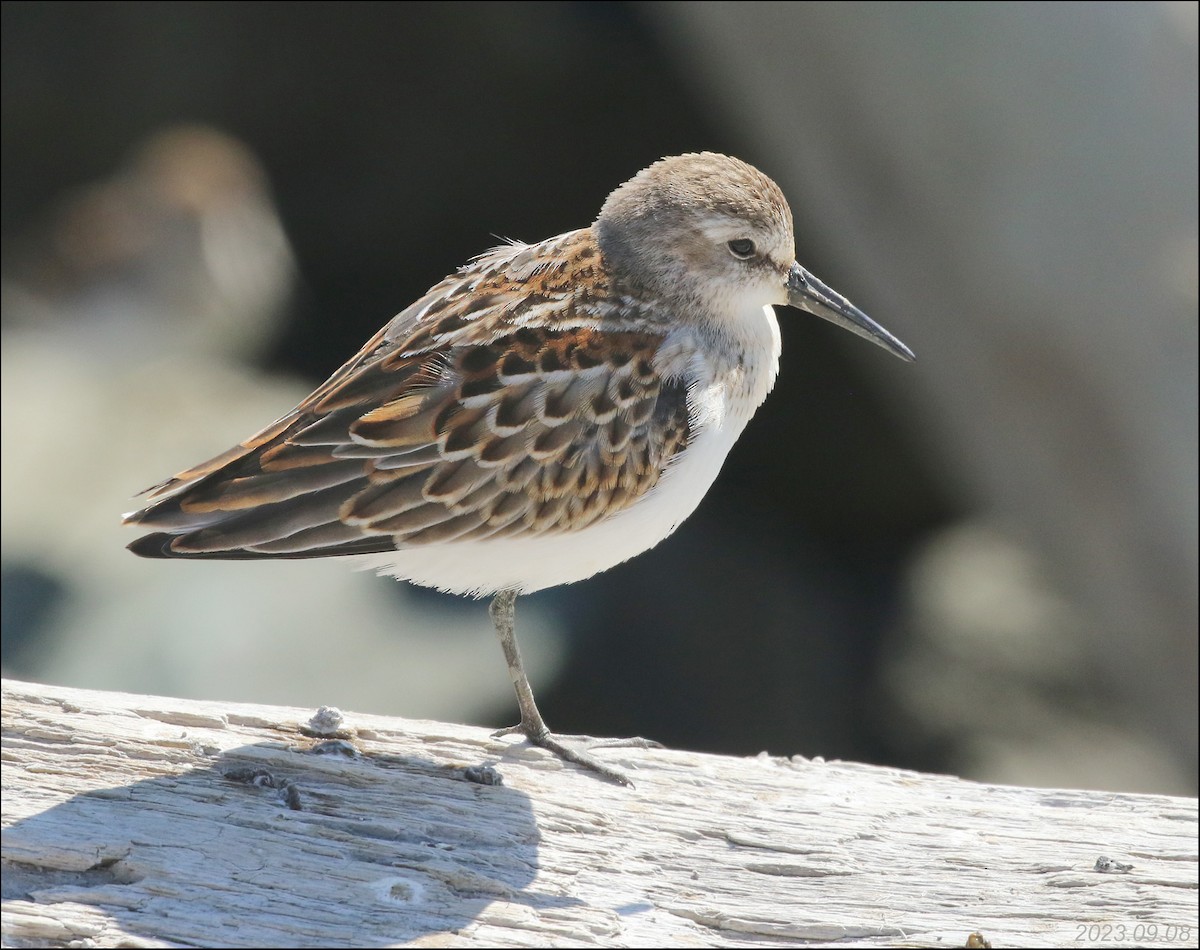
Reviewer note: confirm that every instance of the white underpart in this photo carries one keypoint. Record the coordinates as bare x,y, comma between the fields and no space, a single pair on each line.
722,398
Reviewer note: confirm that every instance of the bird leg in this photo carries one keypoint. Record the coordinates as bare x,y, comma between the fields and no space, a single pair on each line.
532,726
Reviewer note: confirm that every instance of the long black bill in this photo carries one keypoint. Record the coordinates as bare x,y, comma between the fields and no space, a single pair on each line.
808,293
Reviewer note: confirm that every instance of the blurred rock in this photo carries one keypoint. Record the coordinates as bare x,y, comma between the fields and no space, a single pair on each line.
997,670
180,250
1014,189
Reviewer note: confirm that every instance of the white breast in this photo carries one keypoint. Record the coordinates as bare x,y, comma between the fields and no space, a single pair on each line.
723,397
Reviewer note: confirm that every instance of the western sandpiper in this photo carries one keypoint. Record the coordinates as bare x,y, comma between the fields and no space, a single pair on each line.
545,413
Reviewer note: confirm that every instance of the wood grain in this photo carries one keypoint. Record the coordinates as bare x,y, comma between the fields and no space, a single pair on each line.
144,821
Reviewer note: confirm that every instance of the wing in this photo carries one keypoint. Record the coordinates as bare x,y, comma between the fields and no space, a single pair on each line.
494,406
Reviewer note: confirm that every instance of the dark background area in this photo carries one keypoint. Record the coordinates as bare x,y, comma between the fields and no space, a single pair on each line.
399,141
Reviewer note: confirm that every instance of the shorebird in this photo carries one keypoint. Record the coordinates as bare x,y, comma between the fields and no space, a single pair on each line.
545,413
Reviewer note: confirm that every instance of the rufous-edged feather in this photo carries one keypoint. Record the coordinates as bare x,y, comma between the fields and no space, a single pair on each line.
495,403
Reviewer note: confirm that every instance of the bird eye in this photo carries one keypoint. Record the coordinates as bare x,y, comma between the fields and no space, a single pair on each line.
743,249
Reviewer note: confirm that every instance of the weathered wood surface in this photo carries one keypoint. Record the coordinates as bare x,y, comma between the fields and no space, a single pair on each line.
135,821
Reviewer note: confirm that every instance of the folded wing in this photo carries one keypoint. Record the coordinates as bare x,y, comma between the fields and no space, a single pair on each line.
493,407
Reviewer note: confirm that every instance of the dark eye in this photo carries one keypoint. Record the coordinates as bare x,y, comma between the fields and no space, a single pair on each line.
743,249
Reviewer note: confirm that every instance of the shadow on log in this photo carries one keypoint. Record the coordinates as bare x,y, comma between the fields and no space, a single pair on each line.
138,820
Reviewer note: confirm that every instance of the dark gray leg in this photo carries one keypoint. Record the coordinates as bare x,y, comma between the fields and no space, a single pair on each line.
503,611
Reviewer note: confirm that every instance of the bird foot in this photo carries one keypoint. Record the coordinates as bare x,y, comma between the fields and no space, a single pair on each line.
557,744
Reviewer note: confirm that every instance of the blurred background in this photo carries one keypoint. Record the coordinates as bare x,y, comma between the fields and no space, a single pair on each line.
984,563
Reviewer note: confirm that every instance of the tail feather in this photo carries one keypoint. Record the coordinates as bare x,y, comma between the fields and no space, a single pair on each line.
159,545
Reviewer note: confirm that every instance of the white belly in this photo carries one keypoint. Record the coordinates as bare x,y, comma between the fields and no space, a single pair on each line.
536,562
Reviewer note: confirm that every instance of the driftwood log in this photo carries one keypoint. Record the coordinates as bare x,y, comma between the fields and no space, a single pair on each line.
143,821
